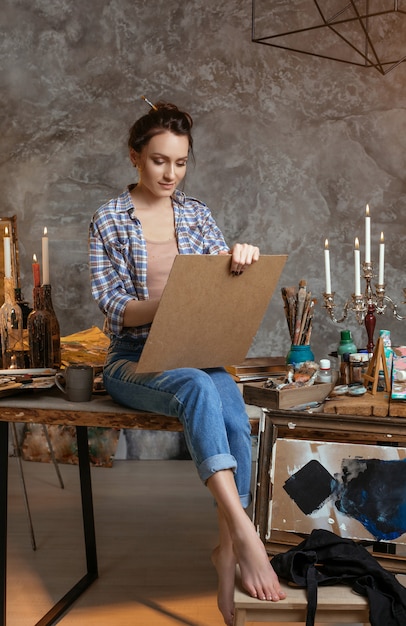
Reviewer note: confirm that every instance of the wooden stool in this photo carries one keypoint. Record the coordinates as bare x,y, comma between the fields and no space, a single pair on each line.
335,604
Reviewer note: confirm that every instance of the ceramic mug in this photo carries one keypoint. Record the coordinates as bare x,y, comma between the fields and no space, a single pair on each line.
76,381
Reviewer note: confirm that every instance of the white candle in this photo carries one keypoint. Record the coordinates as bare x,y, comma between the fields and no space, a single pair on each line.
45,258
327,266
367,236
357,272
7,253
381,260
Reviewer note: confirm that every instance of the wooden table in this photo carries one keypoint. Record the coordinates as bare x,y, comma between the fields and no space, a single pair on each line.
50,407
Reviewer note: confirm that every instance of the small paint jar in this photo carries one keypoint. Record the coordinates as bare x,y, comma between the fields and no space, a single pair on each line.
356,368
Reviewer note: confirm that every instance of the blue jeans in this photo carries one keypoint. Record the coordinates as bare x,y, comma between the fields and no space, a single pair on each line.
207,402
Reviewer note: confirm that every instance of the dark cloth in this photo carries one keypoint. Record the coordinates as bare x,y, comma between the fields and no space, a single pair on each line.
326,559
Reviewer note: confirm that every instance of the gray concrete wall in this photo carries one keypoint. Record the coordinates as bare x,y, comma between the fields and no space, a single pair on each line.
289,148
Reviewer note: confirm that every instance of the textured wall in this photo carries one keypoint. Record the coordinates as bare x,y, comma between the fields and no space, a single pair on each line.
289,148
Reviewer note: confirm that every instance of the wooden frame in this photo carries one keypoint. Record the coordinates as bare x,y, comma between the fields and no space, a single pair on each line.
365,430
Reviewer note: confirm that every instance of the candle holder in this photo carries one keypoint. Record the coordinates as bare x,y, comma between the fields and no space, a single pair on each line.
366,305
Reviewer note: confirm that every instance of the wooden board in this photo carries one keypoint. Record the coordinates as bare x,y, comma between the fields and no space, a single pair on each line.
397,408
207,317
368,404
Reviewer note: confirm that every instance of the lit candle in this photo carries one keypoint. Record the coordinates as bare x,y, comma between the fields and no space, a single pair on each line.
7,253
36,271
357,268
327,266
45,258
381,260
367,236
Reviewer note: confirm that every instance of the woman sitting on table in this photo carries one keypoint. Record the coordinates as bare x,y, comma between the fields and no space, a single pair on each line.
133,242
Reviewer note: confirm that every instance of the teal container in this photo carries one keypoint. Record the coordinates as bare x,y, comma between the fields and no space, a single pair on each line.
346,345
299,354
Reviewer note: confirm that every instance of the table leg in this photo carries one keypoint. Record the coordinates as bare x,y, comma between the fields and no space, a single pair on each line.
69,598
90,537
3,517
87,501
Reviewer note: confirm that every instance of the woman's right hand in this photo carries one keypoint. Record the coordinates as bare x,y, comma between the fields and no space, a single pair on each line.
242,255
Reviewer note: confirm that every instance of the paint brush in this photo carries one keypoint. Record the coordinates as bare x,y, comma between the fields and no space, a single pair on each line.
301,297
150,103
286,296
291,296
308,331
303,325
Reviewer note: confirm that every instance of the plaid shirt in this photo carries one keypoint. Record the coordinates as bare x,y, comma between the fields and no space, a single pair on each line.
118,254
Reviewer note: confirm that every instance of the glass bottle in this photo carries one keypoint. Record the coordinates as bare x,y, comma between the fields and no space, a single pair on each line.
55,330
25,310
356,368
11,324
346,345
39,325
24,305
324,373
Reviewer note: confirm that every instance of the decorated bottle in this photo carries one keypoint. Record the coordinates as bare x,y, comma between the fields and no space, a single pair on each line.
55,330
11,325
39,326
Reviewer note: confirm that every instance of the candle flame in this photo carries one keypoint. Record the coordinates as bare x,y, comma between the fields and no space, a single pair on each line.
356,243
326,244
382,238
45,231
6,231
34,258
367,210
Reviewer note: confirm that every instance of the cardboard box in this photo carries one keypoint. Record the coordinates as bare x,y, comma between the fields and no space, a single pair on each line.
257,394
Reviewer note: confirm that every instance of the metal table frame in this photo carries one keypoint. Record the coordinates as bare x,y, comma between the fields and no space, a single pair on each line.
53,615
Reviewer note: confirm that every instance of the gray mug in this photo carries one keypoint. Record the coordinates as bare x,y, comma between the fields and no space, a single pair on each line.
77,382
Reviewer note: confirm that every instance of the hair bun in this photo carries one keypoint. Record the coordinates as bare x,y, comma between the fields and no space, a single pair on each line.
161,105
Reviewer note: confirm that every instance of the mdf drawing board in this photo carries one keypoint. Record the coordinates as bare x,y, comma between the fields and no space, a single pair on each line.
207,317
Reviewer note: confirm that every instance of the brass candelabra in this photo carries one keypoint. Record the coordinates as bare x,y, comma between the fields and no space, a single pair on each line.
366,305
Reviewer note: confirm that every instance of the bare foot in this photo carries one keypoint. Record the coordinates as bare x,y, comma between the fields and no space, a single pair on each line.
224,561
257,574
239,543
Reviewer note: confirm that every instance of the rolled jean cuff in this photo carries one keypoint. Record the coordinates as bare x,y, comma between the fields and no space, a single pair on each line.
215,464
246,500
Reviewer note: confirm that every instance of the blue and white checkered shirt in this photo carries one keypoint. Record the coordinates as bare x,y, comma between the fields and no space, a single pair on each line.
118,254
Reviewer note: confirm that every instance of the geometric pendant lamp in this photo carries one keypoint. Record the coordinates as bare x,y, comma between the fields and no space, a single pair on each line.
367,33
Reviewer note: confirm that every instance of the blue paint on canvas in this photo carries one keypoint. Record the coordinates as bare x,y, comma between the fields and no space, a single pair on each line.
372,491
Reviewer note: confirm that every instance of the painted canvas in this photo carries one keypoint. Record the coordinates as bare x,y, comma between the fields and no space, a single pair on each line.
353,490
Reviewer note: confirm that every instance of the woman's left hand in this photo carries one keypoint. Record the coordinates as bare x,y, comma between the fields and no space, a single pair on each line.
242,254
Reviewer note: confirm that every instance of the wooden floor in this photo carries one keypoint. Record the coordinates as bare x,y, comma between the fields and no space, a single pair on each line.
155,527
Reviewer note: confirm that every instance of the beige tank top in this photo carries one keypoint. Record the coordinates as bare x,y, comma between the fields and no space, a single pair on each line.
161,255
